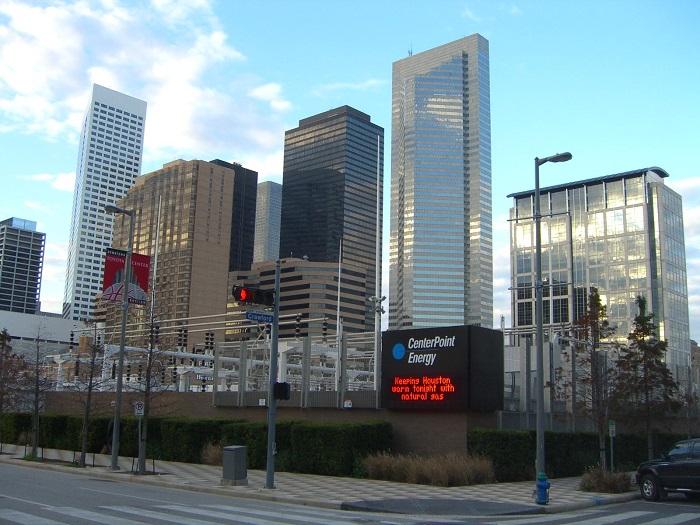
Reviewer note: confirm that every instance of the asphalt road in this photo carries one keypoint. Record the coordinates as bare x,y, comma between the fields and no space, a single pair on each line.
33,496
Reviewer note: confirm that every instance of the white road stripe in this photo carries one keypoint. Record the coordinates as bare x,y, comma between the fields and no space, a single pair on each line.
675,520
538,519
160,516
16,516
238,517
287,514
613,518
95,516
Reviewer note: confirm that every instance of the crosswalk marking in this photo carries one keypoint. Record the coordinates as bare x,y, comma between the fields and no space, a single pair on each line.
613,518
675,520
239,517
16,516
95,516
288,513
183,520
538,519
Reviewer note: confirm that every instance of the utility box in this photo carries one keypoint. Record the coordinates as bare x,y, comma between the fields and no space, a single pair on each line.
235,465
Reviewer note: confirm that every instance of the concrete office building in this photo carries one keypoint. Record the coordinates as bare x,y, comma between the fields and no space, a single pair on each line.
440,253
199,225
21,263
622,234
268,213
310,289
109,161
329,192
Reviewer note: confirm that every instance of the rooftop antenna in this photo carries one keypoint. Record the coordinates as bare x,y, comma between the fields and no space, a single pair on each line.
410,50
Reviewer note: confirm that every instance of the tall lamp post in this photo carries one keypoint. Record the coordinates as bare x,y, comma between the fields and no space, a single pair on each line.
539,462
126,279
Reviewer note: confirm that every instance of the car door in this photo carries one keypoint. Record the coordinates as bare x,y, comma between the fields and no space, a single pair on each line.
694,466
674,472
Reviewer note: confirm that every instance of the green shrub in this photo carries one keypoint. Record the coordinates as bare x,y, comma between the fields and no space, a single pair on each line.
448,470
595,479
13,425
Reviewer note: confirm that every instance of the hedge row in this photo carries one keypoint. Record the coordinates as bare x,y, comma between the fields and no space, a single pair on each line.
566,454
332,449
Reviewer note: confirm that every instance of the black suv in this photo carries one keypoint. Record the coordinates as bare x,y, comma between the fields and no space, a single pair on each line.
678,470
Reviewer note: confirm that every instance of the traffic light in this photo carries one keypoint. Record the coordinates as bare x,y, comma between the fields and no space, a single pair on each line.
282,391
114,370
157,333
325,329
208,341
162,375
248,295
72,340
297,327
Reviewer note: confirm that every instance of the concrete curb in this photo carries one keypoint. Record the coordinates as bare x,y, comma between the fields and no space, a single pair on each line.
595,501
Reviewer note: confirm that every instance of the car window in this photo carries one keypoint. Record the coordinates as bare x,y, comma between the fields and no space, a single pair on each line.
696,450
679,449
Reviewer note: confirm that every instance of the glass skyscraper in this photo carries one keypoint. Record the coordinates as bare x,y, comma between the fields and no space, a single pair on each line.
109,161
329,192
441,214
268,213
622,234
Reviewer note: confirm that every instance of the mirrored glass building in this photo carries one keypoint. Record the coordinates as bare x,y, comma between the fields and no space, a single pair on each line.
441,211
622,234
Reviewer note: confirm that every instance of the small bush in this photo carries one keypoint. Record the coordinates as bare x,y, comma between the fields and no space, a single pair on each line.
449,470
213,454
595,479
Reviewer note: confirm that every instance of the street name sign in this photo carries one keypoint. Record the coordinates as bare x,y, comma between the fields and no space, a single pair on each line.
262,317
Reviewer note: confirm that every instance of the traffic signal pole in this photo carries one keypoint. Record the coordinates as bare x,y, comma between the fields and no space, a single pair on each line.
271,401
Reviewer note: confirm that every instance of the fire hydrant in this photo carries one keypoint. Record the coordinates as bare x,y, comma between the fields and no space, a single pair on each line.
542,489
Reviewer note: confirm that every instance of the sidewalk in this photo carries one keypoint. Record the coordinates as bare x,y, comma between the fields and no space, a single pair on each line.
342,493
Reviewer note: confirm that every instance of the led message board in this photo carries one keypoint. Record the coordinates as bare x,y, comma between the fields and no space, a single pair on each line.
448,368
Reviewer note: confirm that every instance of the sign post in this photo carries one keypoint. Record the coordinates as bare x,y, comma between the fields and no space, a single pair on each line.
611,433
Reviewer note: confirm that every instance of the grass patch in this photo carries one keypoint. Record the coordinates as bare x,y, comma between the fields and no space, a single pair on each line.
595,479
447,470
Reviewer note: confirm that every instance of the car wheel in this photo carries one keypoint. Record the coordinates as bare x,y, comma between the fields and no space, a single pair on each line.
649,487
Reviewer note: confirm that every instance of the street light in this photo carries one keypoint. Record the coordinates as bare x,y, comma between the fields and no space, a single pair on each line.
122,339
539,462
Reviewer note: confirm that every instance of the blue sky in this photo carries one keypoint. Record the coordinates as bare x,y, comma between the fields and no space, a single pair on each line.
614,82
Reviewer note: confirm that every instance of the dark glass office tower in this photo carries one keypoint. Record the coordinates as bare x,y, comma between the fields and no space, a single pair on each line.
245,191
21,262
329,191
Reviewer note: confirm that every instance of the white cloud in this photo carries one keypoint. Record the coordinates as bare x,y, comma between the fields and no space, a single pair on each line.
272,93
515,10
60,181
35,205
468,13
364,85
198,103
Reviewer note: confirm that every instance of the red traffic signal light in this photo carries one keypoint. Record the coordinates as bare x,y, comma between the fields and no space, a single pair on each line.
244,294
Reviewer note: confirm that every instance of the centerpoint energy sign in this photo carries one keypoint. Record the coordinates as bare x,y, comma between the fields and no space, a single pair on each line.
450,368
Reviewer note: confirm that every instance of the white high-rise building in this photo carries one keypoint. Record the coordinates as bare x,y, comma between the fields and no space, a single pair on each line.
109,161
440,254
267,222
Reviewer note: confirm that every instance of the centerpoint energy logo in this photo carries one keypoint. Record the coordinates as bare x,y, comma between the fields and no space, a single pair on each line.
399,351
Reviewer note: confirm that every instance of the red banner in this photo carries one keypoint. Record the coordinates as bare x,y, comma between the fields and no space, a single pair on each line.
114,276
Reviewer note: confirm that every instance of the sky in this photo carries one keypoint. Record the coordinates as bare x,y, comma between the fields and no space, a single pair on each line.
613,82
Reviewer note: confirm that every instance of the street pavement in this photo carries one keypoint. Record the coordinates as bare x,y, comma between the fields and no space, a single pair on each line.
338,492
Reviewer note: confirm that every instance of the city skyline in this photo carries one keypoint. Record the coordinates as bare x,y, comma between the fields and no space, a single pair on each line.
618,102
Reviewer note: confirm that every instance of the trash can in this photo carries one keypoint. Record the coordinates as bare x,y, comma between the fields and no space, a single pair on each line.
235,465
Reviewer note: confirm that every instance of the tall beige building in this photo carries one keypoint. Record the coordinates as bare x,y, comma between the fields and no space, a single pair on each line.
198,227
